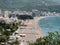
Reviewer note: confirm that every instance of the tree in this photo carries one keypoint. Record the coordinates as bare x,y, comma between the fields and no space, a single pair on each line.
16,42
53,38
3,38
6,30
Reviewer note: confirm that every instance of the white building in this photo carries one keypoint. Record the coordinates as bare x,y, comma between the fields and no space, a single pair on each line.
0,11
6,13
22,12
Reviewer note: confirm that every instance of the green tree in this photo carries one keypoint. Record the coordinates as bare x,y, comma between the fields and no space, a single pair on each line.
53,38
6,30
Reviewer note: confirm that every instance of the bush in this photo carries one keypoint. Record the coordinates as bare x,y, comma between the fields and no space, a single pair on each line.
51,39
5,33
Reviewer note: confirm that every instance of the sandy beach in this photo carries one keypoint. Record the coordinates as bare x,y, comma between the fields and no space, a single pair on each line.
37,27
32,31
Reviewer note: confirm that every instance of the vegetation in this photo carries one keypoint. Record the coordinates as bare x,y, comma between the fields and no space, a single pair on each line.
24,17
51,39
16,42
28,5
6,30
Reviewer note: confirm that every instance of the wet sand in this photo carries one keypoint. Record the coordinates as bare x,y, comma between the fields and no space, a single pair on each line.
37,27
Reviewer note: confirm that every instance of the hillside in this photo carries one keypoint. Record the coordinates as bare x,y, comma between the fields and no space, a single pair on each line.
28,5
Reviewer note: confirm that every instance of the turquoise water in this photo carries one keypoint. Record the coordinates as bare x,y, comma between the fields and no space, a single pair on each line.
50,24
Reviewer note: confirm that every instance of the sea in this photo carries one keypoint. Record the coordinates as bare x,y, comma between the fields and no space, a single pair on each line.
50,24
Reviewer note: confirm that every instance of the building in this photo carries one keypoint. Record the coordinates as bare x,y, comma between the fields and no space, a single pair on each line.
7,13
1,13
22,12
35,13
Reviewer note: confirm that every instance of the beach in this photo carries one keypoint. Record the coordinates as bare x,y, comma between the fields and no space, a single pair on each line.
37,27
31,31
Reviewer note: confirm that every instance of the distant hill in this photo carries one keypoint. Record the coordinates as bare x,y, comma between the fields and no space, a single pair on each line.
28,5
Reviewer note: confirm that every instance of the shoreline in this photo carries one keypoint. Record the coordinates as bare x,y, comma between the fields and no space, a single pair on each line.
38,28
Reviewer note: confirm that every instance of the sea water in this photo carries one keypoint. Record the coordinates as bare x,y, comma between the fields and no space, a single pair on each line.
50,24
